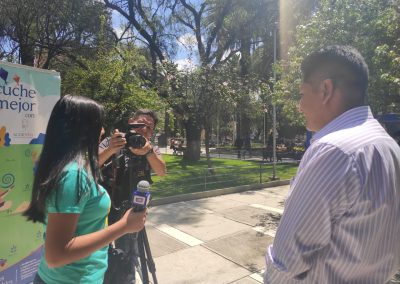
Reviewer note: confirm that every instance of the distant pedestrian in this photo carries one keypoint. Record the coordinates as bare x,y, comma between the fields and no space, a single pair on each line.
341,219
239,145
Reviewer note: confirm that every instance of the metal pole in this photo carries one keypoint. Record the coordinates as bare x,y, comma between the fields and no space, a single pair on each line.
274,114
217,126
234,125
264,131
205,180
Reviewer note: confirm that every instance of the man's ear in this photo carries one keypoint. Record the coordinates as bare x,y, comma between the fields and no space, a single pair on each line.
327,89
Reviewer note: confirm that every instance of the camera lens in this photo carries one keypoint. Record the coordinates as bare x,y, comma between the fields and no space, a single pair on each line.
134,140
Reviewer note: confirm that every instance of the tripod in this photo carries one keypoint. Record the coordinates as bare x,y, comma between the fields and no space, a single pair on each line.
144,250
145,256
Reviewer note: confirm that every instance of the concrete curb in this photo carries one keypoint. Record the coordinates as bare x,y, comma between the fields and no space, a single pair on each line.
216,192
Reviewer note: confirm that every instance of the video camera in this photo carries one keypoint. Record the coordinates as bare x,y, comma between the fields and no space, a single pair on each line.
134,139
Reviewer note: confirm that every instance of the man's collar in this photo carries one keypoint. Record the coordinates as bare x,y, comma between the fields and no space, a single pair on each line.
350,118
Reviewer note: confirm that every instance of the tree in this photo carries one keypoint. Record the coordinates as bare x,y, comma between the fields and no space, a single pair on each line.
218,27
35,32
370,26
114,79
197,21
147,23
385,84
203,95
148,18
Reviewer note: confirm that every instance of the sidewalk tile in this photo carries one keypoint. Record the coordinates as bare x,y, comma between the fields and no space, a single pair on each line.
197,265
210,227
245,214
162,244
246,280
246,248
251,197
215,204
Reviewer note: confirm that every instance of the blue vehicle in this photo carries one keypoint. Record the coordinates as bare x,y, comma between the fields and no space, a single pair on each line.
391,122
309,135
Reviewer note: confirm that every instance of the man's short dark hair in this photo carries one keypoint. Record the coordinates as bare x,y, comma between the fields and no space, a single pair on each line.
148,112
344,65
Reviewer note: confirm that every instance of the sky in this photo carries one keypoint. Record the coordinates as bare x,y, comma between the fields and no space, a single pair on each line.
185,58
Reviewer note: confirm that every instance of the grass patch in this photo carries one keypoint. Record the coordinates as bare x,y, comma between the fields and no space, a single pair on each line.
186,177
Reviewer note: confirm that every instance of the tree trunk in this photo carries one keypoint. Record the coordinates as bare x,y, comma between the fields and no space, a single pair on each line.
167,131
193,134
27,54
153,66
245,62
245,130
207,135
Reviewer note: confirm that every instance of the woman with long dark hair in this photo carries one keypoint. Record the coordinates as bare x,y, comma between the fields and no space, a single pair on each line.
67,198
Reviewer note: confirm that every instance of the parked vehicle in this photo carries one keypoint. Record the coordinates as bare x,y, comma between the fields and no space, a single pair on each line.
391,122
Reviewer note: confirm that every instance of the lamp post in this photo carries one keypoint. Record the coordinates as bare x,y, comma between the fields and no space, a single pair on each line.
265,125
217,126
274,113
234,134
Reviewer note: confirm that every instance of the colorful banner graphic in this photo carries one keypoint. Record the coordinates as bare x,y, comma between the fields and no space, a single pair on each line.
27,96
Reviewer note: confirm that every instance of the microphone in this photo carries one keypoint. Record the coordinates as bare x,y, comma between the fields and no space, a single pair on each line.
141,196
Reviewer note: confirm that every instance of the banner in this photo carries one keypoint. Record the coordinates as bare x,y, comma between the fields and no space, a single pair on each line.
27,96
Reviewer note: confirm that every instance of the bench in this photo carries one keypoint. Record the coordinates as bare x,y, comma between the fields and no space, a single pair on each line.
178,150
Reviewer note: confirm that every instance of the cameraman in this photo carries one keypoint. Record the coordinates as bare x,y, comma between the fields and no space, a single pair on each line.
133,165
112,145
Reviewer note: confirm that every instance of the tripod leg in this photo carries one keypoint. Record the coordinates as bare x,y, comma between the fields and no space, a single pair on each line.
150,260
142,257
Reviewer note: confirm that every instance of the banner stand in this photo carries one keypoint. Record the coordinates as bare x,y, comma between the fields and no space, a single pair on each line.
27,96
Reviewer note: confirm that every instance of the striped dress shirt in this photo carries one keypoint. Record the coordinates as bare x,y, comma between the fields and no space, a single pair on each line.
341,219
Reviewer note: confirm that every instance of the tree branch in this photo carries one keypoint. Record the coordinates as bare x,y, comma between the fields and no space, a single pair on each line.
141,30
217,27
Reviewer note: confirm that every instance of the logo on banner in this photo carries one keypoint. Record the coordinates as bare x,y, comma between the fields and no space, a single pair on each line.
16,97
4,137
3,75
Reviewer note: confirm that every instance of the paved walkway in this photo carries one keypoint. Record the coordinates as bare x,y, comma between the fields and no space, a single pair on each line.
215,240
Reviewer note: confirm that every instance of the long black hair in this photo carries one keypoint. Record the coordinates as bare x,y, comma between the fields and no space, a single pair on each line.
72,134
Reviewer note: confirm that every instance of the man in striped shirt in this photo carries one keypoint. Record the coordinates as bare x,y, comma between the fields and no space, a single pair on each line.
341,218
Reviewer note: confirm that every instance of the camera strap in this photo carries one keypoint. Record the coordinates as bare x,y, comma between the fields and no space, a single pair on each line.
115,166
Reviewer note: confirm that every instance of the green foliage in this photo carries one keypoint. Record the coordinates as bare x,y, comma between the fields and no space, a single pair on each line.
370,26
114,79
385,85
38,32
